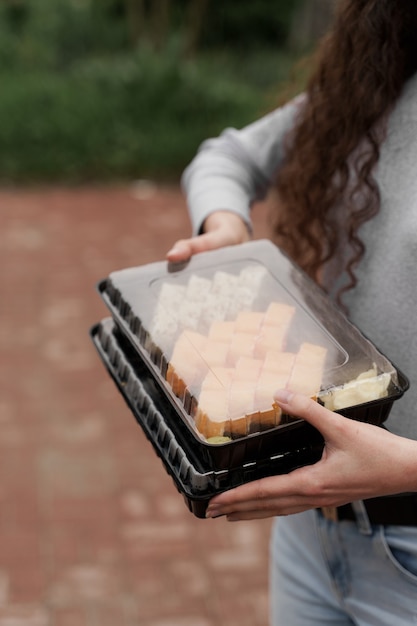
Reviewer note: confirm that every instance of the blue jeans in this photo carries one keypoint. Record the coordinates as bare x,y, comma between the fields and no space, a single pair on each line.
330,573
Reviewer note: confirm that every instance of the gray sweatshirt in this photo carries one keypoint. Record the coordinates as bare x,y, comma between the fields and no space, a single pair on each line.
235,169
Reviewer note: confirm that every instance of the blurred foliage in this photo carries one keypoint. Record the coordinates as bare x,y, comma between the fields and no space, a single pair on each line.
105,89
53,34
249,24
129,117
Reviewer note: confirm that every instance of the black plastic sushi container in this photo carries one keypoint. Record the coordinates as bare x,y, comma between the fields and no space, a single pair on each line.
150,408
217,337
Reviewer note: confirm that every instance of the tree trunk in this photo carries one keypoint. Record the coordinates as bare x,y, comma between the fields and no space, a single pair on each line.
160,20
135,12
311,21
196,13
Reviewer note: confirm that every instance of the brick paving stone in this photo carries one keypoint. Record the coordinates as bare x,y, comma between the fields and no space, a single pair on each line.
24,615
69,617
92,530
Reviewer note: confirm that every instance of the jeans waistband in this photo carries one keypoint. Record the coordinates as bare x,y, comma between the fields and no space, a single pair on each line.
398,510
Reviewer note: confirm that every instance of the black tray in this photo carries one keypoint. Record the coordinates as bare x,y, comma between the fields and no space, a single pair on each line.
149,408
292,434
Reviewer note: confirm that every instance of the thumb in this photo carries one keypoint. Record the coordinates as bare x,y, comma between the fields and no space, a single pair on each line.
184,249
301,406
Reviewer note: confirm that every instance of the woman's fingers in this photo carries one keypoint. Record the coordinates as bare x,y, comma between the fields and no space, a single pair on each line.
184,249
317,415
221,228
297,491
272,495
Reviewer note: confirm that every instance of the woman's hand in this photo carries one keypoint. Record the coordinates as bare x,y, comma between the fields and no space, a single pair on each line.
359,461
222,228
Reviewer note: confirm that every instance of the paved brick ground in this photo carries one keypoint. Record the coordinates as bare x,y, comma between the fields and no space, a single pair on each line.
92,530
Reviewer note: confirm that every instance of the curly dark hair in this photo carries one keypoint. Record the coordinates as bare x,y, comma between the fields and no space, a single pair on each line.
361,66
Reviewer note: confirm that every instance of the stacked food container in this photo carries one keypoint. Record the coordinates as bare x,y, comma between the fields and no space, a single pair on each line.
197,352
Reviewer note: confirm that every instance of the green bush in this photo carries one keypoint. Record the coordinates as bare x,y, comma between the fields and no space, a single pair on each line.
248,24
79,103
55,33
142,115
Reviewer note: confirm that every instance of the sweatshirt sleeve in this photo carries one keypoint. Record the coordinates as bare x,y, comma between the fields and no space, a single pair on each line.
232,171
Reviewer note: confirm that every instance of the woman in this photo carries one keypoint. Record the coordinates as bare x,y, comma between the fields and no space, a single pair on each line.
342,161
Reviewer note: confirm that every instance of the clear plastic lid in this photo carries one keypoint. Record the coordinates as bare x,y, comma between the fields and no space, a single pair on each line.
226,331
